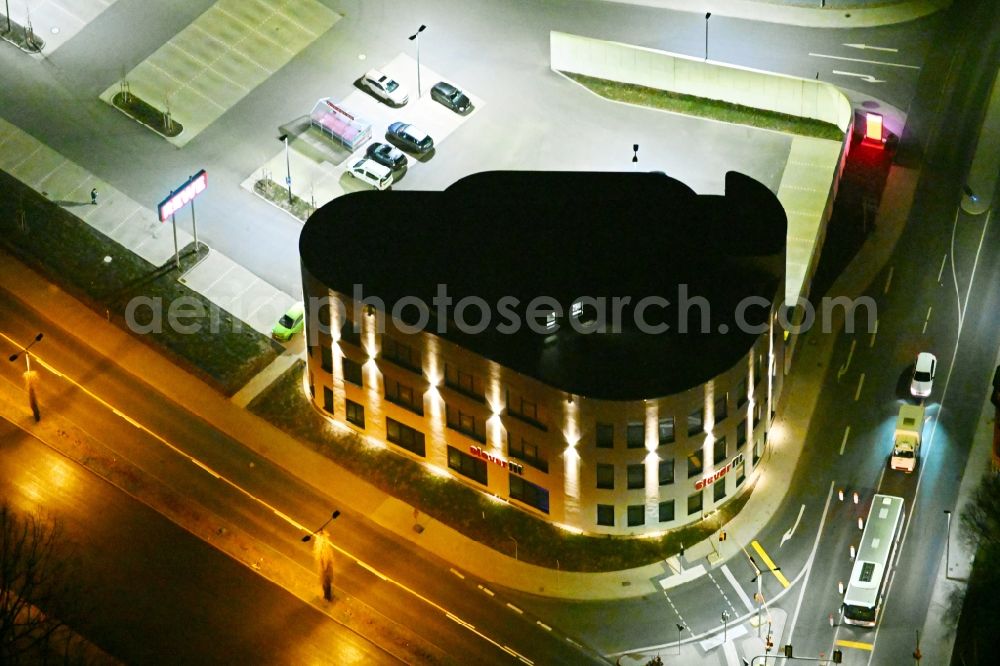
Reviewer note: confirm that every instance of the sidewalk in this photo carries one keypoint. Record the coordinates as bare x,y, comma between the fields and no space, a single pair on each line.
439,539
808,13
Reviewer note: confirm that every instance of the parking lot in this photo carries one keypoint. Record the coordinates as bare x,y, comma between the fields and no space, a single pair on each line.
318,164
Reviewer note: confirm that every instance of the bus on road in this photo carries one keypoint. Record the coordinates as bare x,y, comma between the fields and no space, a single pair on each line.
873,565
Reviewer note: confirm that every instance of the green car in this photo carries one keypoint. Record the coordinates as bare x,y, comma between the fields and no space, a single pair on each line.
290,323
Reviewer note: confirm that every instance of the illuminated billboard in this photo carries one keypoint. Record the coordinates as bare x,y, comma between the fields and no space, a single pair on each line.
183,195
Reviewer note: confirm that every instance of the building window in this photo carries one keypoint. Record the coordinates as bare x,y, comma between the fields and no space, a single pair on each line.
741,474
529,493
636,515
666,511
666,472
522,449
741,393
757,449
694,463
400,354
741,434
720,450
355,414
635,435
696,421
326,357
404,396
466,423
694,503
466,465
328,399
349,334
464,382
606,476
352,371
719,490
636,476
405,436
721,407
525,410
605,436
756,369
606,515
666,430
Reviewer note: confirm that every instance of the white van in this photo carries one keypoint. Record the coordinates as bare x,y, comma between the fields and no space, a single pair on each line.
371,172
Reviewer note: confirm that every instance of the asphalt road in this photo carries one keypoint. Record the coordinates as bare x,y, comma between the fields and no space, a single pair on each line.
532,119
148,592
275,488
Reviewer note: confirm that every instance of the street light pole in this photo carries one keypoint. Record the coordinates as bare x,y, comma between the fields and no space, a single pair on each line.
415,37
680,628
29,376
947,548
725,626
333,516
288,169
7,7
708,15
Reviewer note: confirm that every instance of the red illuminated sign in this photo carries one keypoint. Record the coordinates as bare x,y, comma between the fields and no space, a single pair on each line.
184,195
496,460
709,480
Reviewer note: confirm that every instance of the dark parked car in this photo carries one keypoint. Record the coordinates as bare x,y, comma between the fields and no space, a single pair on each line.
452,97
386,155
410,137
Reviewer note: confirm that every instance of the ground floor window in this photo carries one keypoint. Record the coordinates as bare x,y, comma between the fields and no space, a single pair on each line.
529,493
355,414
666,511
636,514
328,399
404,436
606,514
466,465
694,503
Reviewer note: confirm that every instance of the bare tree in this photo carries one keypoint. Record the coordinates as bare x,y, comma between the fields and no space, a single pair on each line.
981,517
32,578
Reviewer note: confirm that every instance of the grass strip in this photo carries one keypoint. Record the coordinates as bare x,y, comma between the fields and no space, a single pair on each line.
703,107
223,350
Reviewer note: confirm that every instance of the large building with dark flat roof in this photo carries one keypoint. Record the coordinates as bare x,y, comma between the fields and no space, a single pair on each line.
599,349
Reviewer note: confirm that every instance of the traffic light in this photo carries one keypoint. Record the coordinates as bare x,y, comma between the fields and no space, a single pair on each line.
788,651
722,535
838,656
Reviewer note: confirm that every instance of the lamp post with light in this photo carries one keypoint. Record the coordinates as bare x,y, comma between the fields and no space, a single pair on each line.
708,15
415,37
29,376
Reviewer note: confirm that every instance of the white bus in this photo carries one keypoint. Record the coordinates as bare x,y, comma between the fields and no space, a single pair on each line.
873,564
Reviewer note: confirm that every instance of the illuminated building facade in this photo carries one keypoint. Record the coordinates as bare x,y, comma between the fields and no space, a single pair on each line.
634,391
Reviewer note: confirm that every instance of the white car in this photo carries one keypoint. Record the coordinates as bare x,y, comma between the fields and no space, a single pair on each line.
385,88
923,375
371,172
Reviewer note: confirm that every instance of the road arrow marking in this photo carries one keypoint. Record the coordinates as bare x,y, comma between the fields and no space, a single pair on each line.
872,48
864,77
789,533
843,369
870,62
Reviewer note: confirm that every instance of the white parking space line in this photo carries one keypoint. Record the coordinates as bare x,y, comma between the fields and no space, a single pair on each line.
736,586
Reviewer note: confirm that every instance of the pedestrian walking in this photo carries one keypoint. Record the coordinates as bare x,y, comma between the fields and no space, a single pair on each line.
93,196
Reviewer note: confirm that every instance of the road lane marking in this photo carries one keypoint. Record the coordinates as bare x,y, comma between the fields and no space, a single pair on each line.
843,443
486,590
722,592
850,355
788,535
543,625
809,562
872,48
770,563
736,586
515,608
944,260
927,319
457,573
861,382
871,343
855,644
249,495
888,280
864,77
870,62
